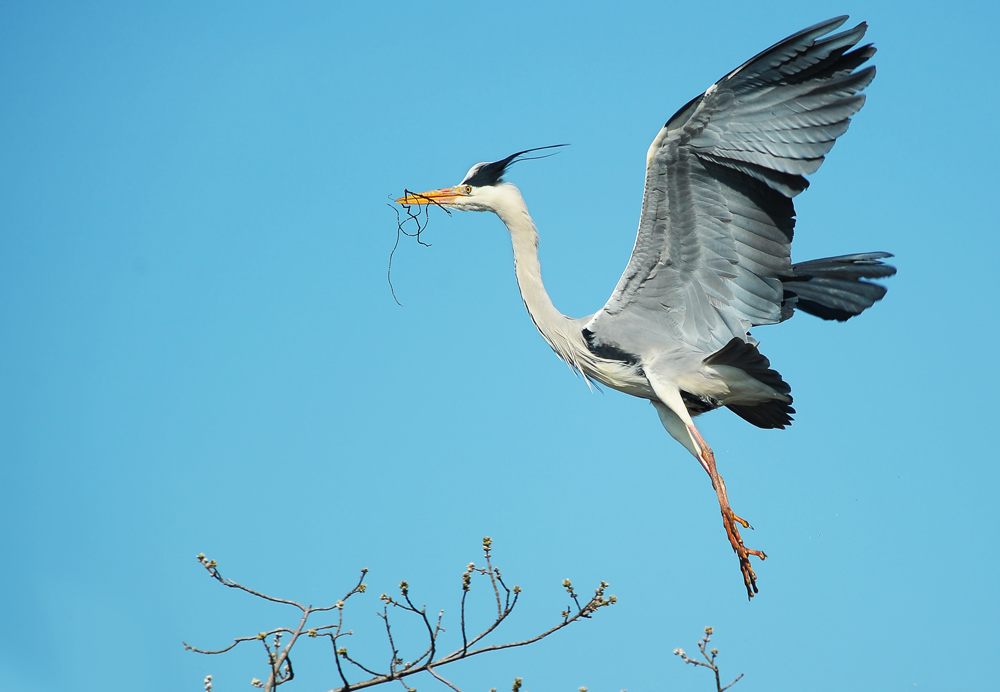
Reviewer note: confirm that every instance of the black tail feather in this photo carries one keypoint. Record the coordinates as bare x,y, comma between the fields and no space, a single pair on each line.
833,288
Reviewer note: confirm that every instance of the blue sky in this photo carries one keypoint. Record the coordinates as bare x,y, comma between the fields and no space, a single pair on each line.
199,351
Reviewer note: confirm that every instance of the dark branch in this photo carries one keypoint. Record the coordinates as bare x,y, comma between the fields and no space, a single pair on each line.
423,210
279,658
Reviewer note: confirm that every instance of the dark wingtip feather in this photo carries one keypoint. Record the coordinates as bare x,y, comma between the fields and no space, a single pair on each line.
808,34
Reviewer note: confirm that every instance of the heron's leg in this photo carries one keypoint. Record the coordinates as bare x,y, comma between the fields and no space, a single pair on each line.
729,518
678,423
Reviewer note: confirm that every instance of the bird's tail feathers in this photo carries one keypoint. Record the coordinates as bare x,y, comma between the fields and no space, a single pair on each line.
833,288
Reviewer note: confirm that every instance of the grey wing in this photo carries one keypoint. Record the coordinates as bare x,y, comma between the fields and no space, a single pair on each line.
717,217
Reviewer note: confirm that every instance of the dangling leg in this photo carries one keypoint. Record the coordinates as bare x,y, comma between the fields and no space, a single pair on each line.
687,434
729,518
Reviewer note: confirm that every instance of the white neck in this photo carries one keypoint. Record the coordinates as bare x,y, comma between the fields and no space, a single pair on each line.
562,333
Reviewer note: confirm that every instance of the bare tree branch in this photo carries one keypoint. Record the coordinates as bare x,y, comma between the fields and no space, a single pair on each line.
709,662
279,658
431,671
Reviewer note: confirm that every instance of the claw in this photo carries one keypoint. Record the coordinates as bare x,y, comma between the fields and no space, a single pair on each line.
730,519
741,520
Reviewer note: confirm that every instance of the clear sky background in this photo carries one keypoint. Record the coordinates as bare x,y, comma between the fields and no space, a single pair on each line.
199,350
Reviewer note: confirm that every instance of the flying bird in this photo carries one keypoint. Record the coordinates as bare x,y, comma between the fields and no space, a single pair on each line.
712,257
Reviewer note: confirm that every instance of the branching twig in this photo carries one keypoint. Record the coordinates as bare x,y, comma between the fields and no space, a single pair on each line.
422,210
709,662
279,659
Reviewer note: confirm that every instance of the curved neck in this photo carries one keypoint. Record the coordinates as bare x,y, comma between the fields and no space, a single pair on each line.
528,270
561,332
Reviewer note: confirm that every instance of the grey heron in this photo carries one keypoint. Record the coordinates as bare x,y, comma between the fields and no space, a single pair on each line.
712,257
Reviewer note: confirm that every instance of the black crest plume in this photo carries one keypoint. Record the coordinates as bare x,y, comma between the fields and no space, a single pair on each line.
492,173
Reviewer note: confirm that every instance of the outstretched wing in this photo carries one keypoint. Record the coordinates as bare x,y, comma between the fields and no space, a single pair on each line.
717,217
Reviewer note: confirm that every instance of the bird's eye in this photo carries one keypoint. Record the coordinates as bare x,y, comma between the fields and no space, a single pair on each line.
468,189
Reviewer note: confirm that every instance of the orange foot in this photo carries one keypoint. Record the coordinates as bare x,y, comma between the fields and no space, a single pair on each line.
730,520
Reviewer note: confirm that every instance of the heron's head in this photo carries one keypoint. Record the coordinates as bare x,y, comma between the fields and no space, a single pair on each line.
482,188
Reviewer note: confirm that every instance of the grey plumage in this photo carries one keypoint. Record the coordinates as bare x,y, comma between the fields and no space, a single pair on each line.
712,256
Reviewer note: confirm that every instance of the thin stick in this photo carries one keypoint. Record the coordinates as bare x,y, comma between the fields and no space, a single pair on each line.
400,231
431,671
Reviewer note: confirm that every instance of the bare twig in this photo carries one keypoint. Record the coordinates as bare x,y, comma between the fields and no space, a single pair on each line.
279,657
213,570
422,210
431,671
487,544
336,657
709,662
344,655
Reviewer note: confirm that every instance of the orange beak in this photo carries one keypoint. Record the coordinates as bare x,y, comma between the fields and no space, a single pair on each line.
442,196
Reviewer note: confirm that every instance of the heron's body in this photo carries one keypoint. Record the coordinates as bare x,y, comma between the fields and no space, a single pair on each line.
628,371
712,257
